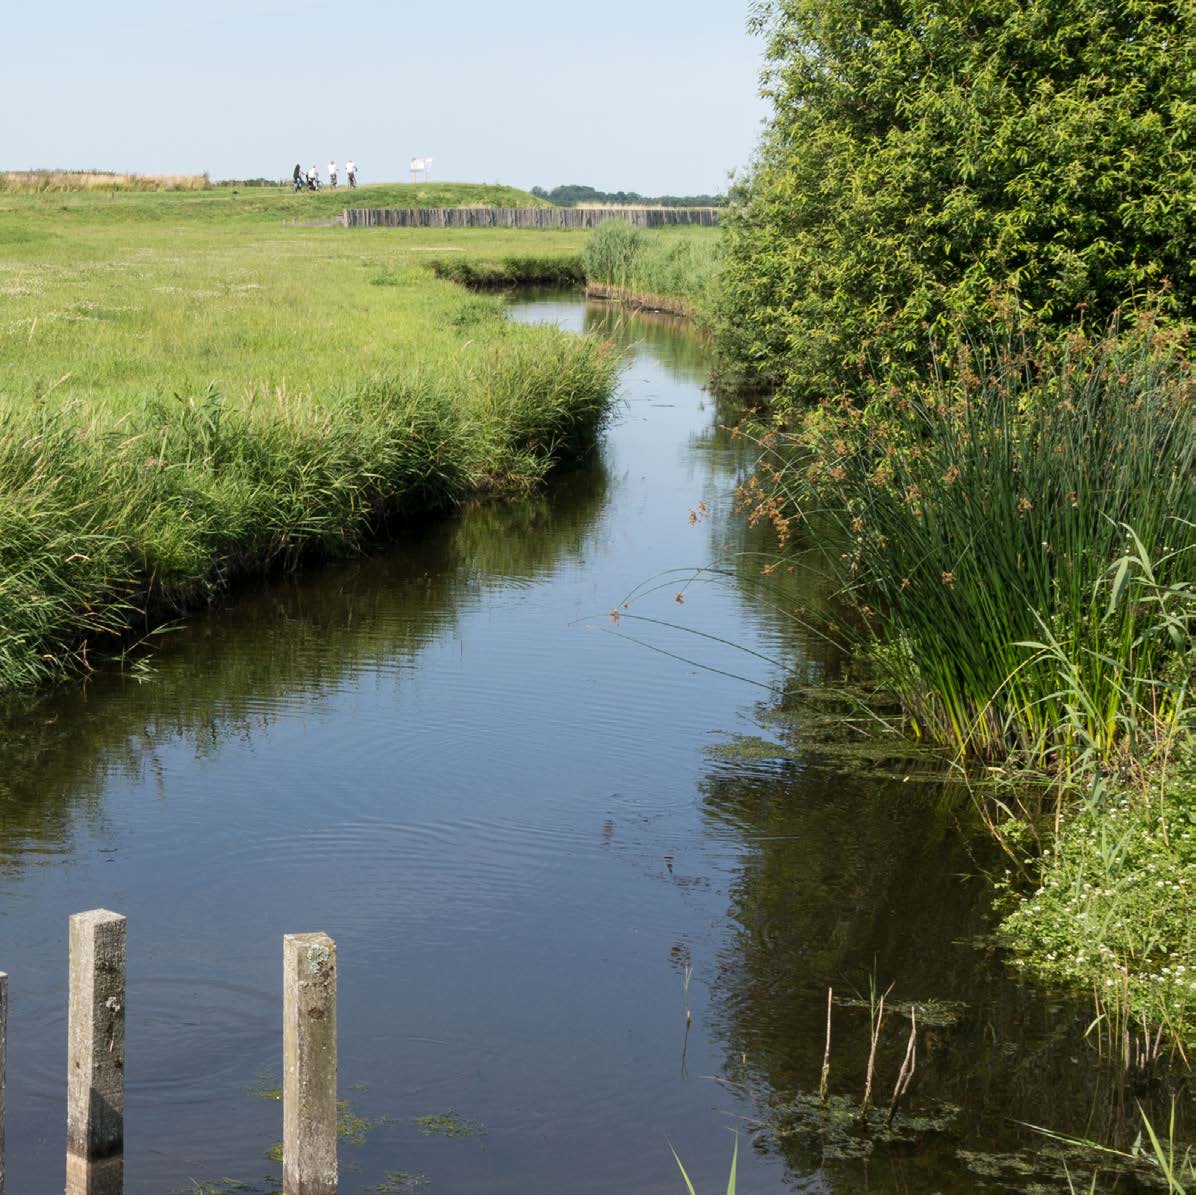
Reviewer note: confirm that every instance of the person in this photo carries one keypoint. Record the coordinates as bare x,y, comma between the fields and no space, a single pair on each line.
297,177
332,174
351,171
313,177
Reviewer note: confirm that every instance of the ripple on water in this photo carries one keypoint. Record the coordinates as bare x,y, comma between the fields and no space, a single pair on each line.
172,1023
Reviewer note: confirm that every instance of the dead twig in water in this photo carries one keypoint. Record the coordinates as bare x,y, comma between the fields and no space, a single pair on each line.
826,1057
908,1065
875,1019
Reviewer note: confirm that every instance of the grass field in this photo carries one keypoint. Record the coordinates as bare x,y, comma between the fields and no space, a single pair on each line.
163,293
192,386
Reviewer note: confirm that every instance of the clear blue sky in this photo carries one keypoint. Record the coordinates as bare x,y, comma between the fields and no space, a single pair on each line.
648,95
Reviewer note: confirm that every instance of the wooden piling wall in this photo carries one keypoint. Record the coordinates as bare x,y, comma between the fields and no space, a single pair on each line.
526,217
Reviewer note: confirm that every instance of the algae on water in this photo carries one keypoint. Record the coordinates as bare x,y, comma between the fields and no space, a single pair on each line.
448,1124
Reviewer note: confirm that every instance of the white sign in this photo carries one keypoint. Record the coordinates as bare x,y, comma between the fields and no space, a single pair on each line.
421,164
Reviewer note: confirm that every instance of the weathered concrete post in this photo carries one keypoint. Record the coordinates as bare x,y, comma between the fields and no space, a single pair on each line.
3,1040
308,1065
95,1090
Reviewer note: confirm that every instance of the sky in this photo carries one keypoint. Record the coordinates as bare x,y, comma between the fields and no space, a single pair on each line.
654,96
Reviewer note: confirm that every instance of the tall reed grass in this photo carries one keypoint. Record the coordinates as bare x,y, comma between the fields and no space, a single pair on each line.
1019,540
1015,536
680,265
30,182
109,518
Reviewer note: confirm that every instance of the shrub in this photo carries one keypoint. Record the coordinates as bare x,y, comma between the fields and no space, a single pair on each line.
921,154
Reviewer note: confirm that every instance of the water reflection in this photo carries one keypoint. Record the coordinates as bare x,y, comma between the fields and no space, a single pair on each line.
234,671
856,882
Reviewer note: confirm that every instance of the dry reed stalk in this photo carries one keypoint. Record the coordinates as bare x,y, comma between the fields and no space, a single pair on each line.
908,1065
35,181
826,1056
874,1026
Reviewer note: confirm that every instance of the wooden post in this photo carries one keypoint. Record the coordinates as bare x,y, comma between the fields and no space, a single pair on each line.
308,1065
3,1040
95,1116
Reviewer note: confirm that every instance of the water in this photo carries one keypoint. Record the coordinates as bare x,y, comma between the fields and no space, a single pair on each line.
522,827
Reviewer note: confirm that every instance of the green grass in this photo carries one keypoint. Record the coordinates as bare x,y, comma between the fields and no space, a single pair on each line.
675,268
516,270
225,204
1114,913
191,392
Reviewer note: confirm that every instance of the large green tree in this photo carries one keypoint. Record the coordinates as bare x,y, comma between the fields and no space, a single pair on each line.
925,154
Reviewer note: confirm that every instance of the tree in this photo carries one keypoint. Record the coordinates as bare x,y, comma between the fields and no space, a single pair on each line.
923,154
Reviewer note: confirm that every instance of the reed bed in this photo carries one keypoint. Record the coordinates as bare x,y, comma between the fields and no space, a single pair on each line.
674,268
32,182
1014,538
1019,544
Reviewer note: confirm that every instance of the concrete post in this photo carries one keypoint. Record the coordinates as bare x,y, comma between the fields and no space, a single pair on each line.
308,1065
3,1040
95,1116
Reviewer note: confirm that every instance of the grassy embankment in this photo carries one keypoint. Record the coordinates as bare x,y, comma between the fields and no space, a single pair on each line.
665,269
192,388
1019,546
140,198
1015,535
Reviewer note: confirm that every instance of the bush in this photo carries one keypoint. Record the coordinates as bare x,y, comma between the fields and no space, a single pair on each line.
922,154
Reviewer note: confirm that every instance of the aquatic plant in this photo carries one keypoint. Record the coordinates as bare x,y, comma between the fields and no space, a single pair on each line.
730,1178
448,1124
1160,1161
677,267
1014,537
401,1180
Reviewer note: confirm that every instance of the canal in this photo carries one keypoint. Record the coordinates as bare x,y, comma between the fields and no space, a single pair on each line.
539,835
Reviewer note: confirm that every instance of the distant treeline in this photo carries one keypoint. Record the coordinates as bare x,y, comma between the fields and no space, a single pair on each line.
573,194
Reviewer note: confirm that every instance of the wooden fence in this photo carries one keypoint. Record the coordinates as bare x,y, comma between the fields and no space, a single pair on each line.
95,1115
526,217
